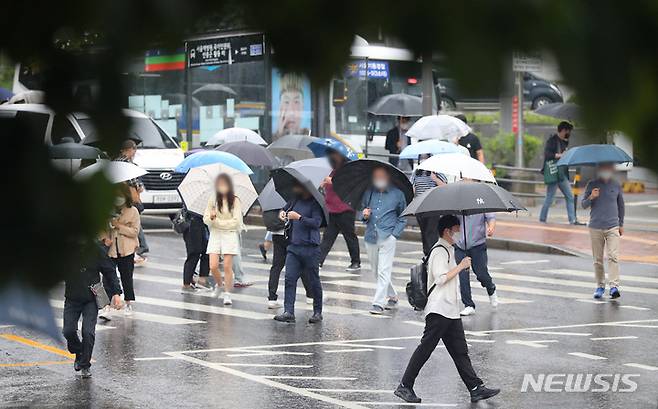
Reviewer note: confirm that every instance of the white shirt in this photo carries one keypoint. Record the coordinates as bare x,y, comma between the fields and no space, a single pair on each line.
445,299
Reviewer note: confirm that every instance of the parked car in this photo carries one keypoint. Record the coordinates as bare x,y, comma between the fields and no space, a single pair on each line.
158,153
536,92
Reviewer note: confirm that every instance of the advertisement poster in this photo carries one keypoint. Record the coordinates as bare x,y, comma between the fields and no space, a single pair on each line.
291,104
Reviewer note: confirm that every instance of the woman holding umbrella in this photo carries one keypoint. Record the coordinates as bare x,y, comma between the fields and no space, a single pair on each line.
223,216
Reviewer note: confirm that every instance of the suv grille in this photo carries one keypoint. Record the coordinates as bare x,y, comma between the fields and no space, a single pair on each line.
153,180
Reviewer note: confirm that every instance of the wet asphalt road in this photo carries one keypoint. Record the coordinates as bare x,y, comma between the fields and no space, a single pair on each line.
187,350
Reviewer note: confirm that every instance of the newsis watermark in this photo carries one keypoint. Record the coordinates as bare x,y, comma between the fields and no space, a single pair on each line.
579,383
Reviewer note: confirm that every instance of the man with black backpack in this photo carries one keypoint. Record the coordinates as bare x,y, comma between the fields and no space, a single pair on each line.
442,319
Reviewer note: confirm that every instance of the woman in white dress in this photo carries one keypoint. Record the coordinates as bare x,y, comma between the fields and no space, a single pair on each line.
223,216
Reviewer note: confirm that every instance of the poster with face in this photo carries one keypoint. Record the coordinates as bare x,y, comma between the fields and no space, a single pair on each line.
291,104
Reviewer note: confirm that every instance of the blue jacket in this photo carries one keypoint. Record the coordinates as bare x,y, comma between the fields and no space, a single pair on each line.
306,232
385,209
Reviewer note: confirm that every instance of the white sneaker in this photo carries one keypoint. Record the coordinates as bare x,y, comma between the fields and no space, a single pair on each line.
467,311
218,292
227,299
273,304
309,301
493,299
105,313
128,310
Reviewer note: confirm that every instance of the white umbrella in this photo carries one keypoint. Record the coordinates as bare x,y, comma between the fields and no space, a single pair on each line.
199,184
458,165
235,135
115,171
444,127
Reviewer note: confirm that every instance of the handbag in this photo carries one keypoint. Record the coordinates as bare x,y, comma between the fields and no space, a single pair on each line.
181,222
99,293
551,173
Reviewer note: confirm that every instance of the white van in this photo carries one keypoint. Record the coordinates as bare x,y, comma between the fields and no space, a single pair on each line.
158,153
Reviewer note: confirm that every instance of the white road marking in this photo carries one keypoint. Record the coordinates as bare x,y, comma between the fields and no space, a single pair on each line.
593,324
637,325
156,358
324,273
401,403
338,351
230,311
264,365
592,301
589,274
642,203
574,334
336,343
613,338
588,356
532,344
317,378
642,366
632,307
253,352
524,262
350,390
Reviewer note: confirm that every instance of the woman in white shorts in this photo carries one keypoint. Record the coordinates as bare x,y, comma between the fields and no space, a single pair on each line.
223,216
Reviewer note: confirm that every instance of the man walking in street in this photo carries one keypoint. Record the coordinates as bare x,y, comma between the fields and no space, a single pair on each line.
397,139
442,320
605,199
341,218
555,177
471,142
477,228
382,206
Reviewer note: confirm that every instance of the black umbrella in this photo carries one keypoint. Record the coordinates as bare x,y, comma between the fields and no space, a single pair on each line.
250,153
464,198
397,105
68,149
286,178
567,111
355,177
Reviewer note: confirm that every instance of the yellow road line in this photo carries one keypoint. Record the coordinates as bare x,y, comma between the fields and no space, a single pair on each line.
36,344
36,363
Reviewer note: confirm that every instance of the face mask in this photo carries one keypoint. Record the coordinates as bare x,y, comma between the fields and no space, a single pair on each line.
380,184
605,174
455,236
119,201
223,190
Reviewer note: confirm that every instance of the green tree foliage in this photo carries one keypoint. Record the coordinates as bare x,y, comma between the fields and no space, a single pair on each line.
499,150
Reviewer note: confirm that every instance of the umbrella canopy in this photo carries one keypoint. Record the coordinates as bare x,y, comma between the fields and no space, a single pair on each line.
444,127
5,94
561,110
397,105
235,135
269,198
429,147
592,155
293,146
354,178
115,171
284,180
459,165
199,184
250,153
320,146
315,169
69,149
463,198
212,157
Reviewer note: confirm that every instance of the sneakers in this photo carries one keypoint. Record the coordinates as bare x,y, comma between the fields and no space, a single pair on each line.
284,317
128,310
467,311
377,310
493,300
598,293
76,363
614,292
140,260
242,284
273,304
104,314
315,318
188,289
482,392
263,251
392,304
227,298
86,373
406,394
353,267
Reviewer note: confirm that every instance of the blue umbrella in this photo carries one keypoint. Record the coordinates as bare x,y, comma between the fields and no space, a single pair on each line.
320,147
592,155
5,94
430,146
211,157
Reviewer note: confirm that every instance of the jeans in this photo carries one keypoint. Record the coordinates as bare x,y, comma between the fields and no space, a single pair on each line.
126,266
341,223
478,255
238,274
72,311
302,260
438,327
381,257
565,188
279,252
429,230
143,245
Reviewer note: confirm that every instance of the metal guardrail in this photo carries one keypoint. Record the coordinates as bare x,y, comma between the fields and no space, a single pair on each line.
535,178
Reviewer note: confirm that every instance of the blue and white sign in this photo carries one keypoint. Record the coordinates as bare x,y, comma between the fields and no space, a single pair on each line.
375,69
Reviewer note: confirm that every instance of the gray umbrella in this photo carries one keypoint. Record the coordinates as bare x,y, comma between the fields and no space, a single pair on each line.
567,111
397,105
69,149
286,178
293,146
250,153
269,199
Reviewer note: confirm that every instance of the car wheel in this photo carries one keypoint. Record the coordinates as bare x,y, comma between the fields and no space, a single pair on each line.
447,104
540,101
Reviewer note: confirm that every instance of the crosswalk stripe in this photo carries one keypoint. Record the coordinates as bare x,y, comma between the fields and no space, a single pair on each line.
323,273
230,311
524,262
327,294
590,274
60,323
588,356
642,366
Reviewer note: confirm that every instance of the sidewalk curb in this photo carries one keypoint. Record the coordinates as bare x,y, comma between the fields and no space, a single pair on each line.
492,243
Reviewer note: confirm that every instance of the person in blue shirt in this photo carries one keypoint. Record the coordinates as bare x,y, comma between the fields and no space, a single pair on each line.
303,219
383,205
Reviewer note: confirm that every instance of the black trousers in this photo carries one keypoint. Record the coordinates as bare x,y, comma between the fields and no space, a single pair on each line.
72,311
451,331
196,243
126,266
341,223
429,231
280,251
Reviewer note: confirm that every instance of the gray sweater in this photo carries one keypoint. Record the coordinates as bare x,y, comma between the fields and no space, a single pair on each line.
607,210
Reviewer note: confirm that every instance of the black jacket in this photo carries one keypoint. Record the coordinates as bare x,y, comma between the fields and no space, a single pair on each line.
554,145
392,137
77,286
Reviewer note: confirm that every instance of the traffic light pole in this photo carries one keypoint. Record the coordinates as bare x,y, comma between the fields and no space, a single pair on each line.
518,112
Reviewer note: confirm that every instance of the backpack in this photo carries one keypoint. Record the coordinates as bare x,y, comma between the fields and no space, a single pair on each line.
417,292
181,221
